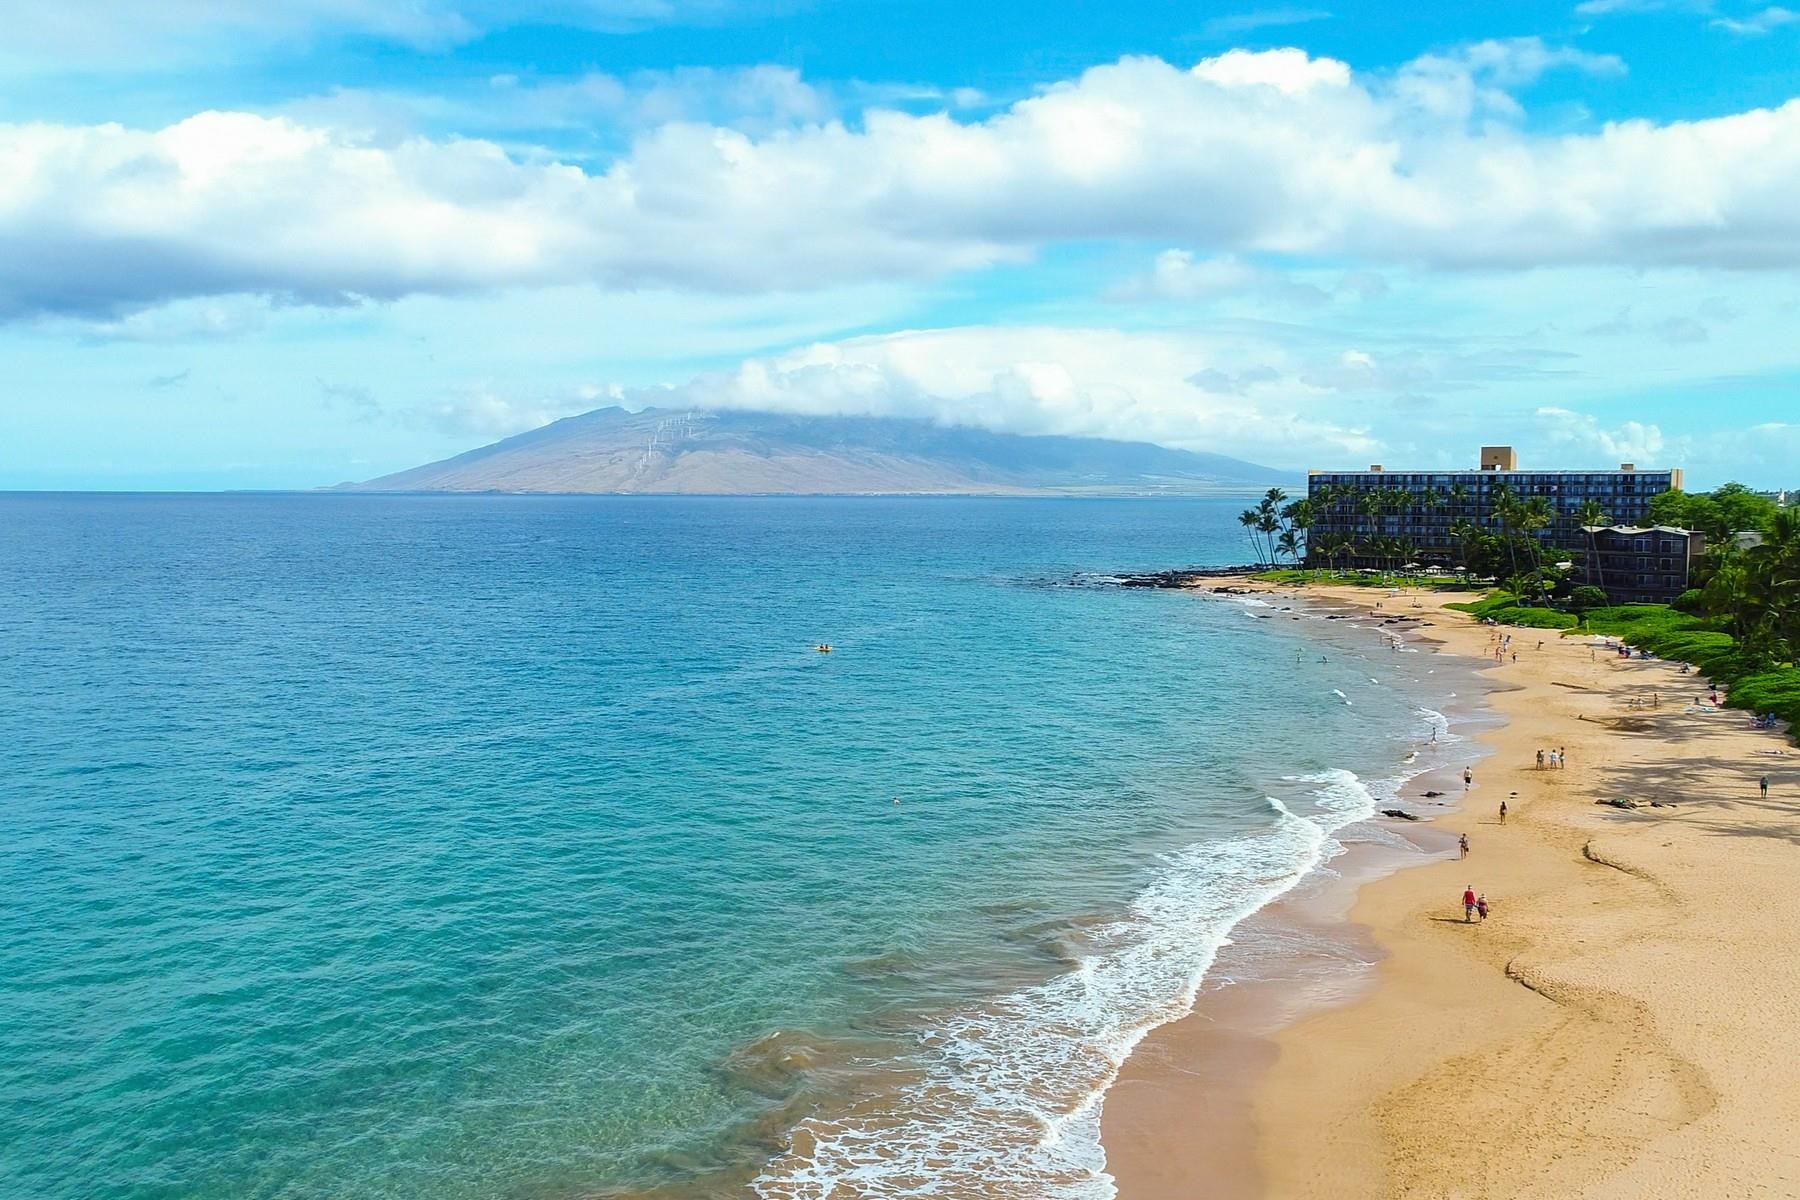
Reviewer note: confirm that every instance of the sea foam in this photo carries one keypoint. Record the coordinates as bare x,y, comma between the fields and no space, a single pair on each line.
1010,1094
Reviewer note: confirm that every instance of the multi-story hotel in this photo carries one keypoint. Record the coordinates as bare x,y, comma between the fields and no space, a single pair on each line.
1441,499
1640,566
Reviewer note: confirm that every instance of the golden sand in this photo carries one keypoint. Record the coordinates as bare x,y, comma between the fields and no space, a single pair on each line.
1625,1025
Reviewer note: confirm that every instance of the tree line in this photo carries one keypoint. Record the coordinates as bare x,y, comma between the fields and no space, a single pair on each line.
1502,541
1749,590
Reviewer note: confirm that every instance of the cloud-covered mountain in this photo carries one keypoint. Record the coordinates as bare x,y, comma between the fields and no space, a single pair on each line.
696,452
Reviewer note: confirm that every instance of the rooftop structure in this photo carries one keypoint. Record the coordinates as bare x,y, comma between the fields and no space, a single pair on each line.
1415,512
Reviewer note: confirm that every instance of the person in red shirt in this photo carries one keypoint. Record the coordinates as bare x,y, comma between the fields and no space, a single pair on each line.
1469,903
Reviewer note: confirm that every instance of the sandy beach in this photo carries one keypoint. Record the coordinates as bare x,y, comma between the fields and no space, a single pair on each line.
1619,1026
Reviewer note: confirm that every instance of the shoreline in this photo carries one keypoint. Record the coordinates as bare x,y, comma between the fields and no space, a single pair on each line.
1179,1119
1606,1034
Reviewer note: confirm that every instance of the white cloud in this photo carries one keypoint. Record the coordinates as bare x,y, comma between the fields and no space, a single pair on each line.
1630,441
1758,23
1290,72
1274,152
1176,389
485,411
1478,79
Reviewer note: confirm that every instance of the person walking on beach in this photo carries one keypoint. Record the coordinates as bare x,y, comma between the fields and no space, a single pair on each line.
1468,778
1764,784
1462,844
1481,906
1540,760
1469,902
1503,812
1562,757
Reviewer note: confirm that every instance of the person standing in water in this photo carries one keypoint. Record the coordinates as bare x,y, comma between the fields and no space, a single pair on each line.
1468,778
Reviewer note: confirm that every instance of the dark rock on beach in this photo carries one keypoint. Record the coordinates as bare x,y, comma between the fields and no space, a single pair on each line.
1192,577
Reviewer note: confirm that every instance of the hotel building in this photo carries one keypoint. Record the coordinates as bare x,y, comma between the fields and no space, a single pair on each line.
1640,566
1441,499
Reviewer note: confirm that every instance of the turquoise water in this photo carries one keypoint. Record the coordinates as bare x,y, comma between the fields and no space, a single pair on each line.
414,847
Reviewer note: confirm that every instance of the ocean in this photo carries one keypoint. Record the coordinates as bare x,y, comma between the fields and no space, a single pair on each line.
443,848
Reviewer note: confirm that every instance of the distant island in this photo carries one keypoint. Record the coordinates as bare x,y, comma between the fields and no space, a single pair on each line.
733,452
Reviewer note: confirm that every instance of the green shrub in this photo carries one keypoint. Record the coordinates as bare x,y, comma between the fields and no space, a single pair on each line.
1506,609
1587,598
1776,691
1536,618
1681,637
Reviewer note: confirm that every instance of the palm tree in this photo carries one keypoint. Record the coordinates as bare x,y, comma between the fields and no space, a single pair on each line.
1535,515
1248,519
1372,504
1590,516
1333,546
1298,516
1264,524
1268,523
1758,590
1505,510
1465,532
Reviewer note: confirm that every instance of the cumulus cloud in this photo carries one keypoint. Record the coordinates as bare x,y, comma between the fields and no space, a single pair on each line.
489,412
1273,152
1179,390
1478,79
1630,441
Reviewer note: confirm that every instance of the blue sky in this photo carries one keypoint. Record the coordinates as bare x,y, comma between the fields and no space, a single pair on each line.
245,245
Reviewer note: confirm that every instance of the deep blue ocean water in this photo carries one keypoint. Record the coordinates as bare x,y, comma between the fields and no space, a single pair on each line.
437,847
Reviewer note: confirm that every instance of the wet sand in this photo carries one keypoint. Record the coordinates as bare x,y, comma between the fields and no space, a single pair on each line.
1618,1028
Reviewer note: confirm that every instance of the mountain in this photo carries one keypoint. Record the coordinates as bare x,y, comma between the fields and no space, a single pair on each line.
735,452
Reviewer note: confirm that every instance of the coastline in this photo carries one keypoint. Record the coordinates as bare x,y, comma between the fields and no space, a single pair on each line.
1605,1034
1179,1119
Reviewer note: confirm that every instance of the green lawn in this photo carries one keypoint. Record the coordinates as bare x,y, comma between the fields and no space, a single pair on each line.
1676,636
1300,575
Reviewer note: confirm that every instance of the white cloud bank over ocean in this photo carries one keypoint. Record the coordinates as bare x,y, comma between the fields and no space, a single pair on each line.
1276,152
